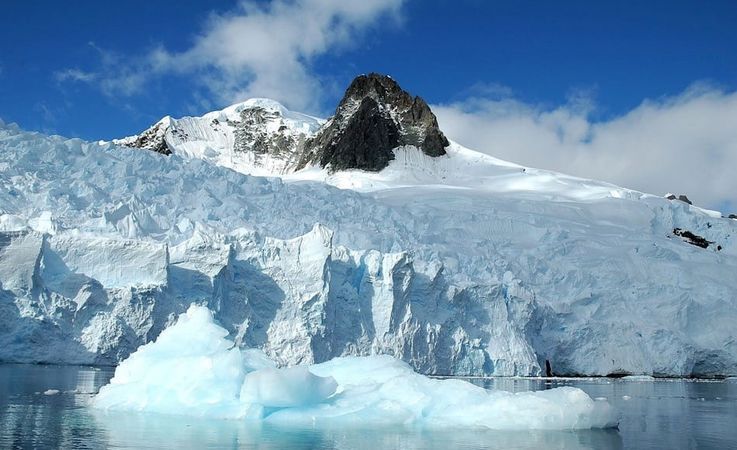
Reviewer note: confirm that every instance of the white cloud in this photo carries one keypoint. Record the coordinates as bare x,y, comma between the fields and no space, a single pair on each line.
74,75
115,77
683,144
257,50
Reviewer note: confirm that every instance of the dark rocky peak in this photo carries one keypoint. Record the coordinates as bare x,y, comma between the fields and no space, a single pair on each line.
381,88
374,117
367,143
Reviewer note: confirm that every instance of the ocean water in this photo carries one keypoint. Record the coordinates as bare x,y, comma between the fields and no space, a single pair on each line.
45,407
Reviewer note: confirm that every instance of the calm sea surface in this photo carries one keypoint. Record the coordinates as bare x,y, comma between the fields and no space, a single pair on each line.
654,415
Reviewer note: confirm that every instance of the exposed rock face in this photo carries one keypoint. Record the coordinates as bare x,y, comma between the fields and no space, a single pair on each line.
693,239
252,133
681,197
685,199
153,139
366,142
375,116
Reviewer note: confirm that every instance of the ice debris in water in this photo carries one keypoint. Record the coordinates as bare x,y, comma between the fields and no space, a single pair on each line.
193,369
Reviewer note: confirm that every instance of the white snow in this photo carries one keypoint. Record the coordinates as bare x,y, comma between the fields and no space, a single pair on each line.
466,169
211,137
192,369
462,265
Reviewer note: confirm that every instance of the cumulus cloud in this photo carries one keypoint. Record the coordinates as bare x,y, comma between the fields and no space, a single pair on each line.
256,50
683,144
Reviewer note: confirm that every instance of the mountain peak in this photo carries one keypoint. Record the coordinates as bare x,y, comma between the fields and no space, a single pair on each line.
376,86
261,136
374,117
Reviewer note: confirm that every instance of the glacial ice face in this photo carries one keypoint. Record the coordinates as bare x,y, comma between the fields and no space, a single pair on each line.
101,247
192,369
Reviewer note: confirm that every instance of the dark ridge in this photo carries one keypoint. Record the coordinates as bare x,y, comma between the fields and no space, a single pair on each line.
693,239
367,141
374,117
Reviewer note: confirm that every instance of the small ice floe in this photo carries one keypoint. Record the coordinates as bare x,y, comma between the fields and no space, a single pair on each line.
51,391
600,399
638,378
626,397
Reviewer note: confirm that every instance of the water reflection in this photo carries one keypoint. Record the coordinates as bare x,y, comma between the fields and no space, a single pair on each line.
138,430
660,414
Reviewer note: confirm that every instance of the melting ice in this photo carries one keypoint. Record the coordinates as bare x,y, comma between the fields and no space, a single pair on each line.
193,369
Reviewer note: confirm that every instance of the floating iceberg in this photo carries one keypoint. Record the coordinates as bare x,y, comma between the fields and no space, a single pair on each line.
193,369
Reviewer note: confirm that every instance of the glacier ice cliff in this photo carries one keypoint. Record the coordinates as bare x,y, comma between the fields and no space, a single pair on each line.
101,247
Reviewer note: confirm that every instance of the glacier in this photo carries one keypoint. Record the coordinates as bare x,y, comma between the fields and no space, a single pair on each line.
193,369
458,265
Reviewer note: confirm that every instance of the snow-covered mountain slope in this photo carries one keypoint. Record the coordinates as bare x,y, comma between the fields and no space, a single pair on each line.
258,136
262,137
462,265
396,143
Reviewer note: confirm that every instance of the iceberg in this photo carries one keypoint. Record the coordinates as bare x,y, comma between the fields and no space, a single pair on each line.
193,369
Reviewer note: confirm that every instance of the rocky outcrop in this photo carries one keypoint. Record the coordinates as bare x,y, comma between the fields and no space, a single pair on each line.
693,239
374,117
153,139
366,141
681,197
264,132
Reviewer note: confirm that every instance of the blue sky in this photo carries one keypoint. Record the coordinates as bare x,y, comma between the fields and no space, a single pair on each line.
107,69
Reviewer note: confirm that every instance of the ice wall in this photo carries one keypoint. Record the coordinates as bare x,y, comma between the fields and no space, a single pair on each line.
101,247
